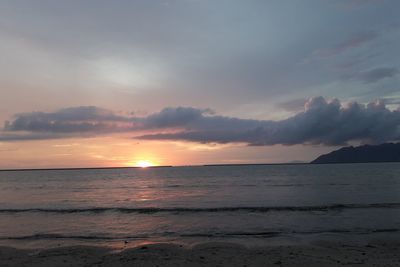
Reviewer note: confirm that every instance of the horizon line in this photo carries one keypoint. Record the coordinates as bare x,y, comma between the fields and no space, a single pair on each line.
180,166
151,167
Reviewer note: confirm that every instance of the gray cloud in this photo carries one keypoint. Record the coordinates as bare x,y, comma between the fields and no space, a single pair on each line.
358,3
352,42
173,117
293,105
321,122
15,137
391,100
183,53
69,120
377,74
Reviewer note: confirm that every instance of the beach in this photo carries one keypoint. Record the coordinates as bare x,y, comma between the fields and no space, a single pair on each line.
376,253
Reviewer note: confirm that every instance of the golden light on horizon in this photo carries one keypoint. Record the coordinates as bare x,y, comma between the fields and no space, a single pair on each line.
144,164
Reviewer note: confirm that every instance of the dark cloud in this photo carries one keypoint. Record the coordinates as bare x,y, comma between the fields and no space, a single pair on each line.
377,74
320,122
174,117
15,137
69,120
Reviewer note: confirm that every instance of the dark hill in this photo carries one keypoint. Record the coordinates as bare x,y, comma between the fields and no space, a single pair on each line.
389,152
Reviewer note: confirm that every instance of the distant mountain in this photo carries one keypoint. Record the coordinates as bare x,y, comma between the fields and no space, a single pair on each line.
389,152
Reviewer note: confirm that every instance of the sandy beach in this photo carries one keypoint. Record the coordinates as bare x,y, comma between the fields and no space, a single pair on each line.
210,254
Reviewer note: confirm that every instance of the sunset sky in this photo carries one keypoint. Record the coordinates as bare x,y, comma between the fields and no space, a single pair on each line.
122,83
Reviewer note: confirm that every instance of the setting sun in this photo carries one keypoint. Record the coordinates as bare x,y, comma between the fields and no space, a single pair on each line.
144,164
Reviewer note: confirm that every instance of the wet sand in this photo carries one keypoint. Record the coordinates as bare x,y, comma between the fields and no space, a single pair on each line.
210,254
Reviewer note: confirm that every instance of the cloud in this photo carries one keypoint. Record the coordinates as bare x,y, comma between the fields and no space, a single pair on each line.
15,137
321,122
354,4
375,75
293,105
326,122
174,117
354,41
69,120
391,100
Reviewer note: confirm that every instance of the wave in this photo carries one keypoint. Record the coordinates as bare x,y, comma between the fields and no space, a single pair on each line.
149,210
289,232
61,236
265,234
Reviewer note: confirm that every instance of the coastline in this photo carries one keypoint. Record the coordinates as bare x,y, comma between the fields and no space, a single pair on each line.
322,253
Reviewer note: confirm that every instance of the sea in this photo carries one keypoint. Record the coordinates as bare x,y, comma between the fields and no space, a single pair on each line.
247,204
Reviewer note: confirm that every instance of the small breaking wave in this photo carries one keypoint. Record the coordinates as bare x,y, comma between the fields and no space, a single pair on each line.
265,234
150,210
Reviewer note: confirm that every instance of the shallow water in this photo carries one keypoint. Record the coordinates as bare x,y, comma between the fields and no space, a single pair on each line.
260,203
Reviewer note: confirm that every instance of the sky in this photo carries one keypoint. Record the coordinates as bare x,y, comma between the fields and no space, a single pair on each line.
188,82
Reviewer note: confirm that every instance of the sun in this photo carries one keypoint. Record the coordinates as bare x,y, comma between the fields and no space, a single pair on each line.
144,163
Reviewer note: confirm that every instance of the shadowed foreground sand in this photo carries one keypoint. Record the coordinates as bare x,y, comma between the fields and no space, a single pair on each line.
211,254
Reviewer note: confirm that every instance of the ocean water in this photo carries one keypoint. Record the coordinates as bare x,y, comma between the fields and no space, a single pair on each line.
259,204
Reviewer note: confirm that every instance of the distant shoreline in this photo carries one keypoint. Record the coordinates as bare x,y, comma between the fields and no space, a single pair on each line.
152,167
180,166
83,168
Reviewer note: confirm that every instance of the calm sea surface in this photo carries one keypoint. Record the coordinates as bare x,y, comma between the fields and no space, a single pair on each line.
256,204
